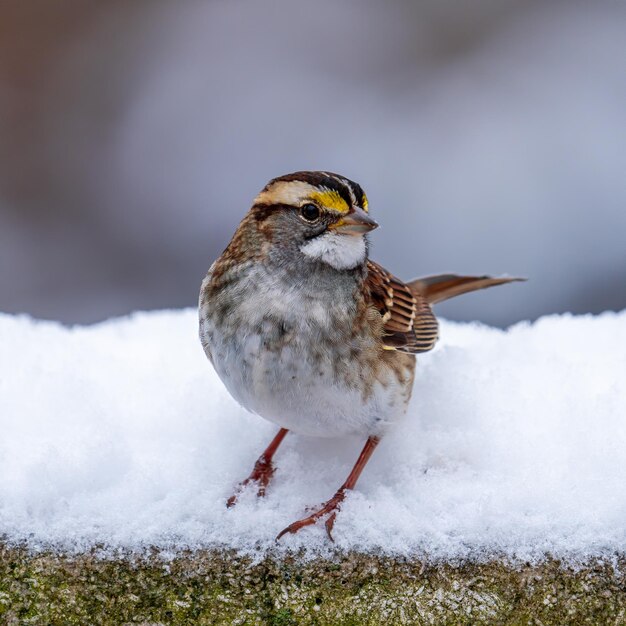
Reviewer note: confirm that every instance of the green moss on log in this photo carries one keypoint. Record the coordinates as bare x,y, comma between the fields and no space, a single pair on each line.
212,587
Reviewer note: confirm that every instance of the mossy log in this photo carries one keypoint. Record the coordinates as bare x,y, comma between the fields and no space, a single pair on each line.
216,587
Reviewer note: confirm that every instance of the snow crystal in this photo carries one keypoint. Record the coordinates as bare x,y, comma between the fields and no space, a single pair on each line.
121,434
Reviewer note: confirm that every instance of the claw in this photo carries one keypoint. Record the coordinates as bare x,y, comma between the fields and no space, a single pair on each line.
232,500
261,474
295,527
332,507
330,522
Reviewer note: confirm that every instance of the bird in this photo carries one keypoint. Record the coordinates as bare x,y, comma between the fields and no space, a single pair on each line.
307,332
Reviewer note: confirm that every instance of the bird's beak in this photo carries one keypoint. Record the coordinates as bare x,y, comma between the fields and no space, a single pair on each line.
357,222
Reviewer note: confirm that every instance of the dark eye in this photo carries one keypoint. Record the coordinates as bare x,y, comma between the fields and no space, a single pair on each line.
310,212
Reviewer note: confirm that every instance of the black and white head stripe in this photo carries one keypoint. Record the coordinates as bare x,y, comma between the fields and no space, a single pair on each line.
348,190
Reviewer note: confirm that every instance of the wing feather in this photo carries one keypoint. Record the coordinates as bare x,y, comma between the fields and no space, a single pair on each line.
409,323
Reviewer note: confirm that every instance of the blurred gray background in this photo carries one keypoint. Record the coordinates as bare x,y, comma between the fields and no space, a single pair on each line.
490,137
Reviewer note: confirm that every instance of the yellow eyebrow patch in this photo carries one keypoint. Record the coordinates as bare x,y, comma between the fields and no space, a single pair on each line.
365,203
330,199
298,192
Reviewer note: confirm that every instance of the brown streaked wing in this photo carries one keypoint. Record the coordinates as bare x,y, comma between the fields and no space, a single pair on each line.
409,323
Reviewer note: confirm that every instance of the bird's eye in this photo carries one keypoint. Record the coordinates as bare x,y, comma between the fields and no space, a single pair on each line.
310,212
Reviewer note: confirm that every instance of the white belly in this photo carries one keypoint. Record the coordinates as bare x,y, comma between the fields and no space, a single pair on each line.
302,392
293,360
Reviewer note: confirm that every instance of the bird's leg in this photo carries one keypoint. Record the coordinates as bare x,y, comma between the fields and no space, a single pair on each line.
332,506
263,469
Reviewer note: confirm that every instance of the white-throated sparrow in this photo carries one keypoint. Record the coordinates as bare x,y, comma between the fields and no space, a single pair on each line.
308,333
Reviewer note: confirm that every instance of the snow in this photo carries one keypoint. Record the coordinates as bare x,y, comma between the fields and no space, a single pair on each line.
120,434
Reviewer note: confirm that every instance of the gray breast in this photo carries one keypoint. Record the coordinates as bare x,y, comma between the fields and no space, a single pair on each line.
288,353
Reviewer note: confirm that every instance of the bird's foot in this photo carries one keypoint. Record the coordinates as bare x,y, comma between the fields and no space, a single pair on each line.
261,475
331,507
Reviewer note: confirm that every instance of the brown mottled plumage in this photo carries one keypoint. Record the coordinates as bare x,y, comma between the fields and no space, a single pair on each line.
307,332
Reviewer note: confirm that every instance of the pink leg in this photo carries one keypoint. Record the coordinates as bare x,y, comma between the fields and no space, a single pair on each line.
263,469
333,505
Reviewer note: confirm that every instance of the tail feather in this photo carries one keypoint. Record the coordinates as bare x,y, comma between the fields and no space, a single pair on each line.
444,286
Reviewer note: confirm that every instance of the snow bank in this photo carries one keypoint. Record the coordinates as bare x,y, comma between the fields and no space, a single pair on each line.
122,434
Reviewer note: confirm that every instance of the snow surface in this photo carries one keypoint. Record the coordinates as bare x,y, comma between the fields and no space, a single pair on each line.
121,434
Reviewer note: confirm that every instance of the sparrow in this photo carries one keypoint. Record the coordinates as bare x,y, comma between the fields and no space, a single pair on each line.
309,333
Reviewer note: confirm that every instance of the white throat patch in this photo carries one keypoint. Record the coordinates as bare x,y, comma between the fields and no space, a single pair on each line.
343,252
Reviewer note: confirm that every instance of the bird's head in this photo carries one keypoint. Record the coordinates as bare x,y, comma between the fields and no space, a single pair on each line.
321,214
